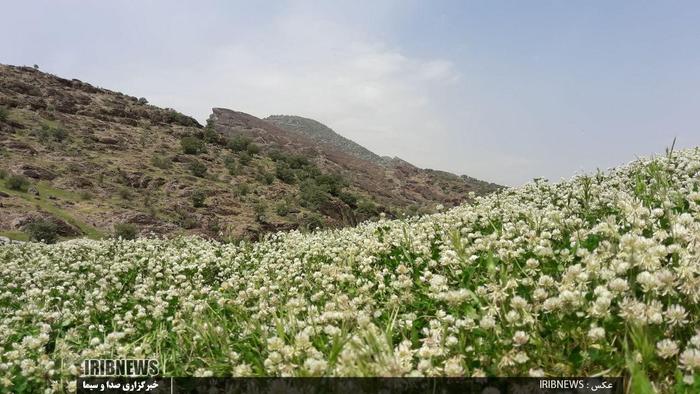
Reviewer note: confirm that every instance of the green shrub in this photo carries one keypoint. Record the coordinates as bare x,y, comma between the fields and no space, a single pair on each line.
209,134
253,149
282,208
297,161
187,221
213,226
348,198
242,189
367,208
124,193
192,145
244,158
85,195
332,183
239,143
125,231
3,173
198,198
268,178
284,173
49,132
198,169
162,162
4,113
312,195
17,182
58,133
312,222
42,230
259,208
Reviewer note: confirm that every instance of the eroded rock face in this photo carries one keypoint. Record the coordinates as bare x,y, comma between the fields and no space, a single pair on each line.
36,172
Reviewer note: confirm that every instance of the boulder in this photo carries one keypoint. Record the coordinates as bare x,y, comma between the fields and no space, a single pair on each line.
36,172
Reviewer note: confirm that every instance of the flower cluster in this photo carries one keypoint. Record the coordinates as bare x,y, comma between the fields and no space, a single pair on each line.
596,275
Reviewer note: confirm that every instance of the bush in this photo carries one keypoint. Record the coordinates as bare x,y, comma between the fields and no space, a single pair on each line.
192,145
253,149
42,231
238,143
244,158
297,161
284,173
332,183
367,208
3,173
58,134
209,134
312,195
142,101
50,132
312,222
242,189
198,198
4,113
348,198
125,231
198,169
161,162
187,221
260,208
124,193
282,208
17,182
85,195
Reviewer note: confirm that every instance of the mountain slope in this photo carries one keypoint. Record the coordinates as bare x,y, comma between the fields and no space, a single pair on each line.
321,133
89,159
390,181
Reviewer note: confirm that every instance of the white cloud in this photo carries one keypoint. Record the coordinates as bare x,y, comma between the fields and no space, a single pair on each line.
374,94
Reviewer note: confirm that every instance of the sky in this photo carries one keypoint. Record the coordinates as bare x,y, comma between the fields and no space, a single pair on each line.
504,91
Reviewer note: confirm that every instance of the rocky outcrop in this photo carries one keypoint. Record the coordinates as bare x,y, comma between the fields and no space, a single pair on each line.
63,228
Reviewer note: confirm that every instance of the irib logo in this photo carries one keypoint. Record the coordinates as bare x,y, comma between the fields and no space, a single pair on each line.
120,367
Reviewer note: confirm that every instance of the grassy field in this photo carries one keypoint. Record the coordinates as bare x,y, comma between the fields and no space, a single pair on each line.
598,275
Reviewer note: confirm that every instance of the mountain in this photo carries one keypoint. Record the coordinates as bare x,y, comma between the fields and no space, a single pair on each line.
321,133
92,162
391,182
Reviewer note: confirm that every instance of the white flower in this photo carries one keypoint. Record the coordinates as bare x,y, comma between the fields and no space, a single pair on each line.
453,367
690,359
520,338
666,348
676,315
596,333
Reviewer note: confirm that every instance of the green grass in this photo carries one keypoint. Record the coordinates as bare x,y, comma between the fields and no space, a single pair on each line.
15,235
45,204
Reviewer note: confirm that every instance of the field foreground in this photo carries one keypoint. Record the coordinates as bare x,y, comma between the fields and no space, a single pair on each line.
599,275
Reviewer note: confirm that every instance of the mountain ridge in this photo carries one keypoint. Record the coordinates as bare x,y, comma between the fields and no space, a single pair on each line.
93,159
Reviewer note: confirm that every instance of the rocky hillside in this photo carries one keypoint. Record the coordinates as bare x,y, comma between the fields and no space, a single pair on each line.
93,162
321,133
393,182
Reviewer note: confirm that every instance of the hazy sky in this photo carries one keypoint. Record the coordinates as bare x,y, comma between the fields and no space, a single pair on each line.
503,91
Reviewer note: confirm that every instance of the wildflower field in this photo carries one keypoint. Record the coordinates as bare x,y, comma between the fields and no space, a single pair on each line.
598,275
